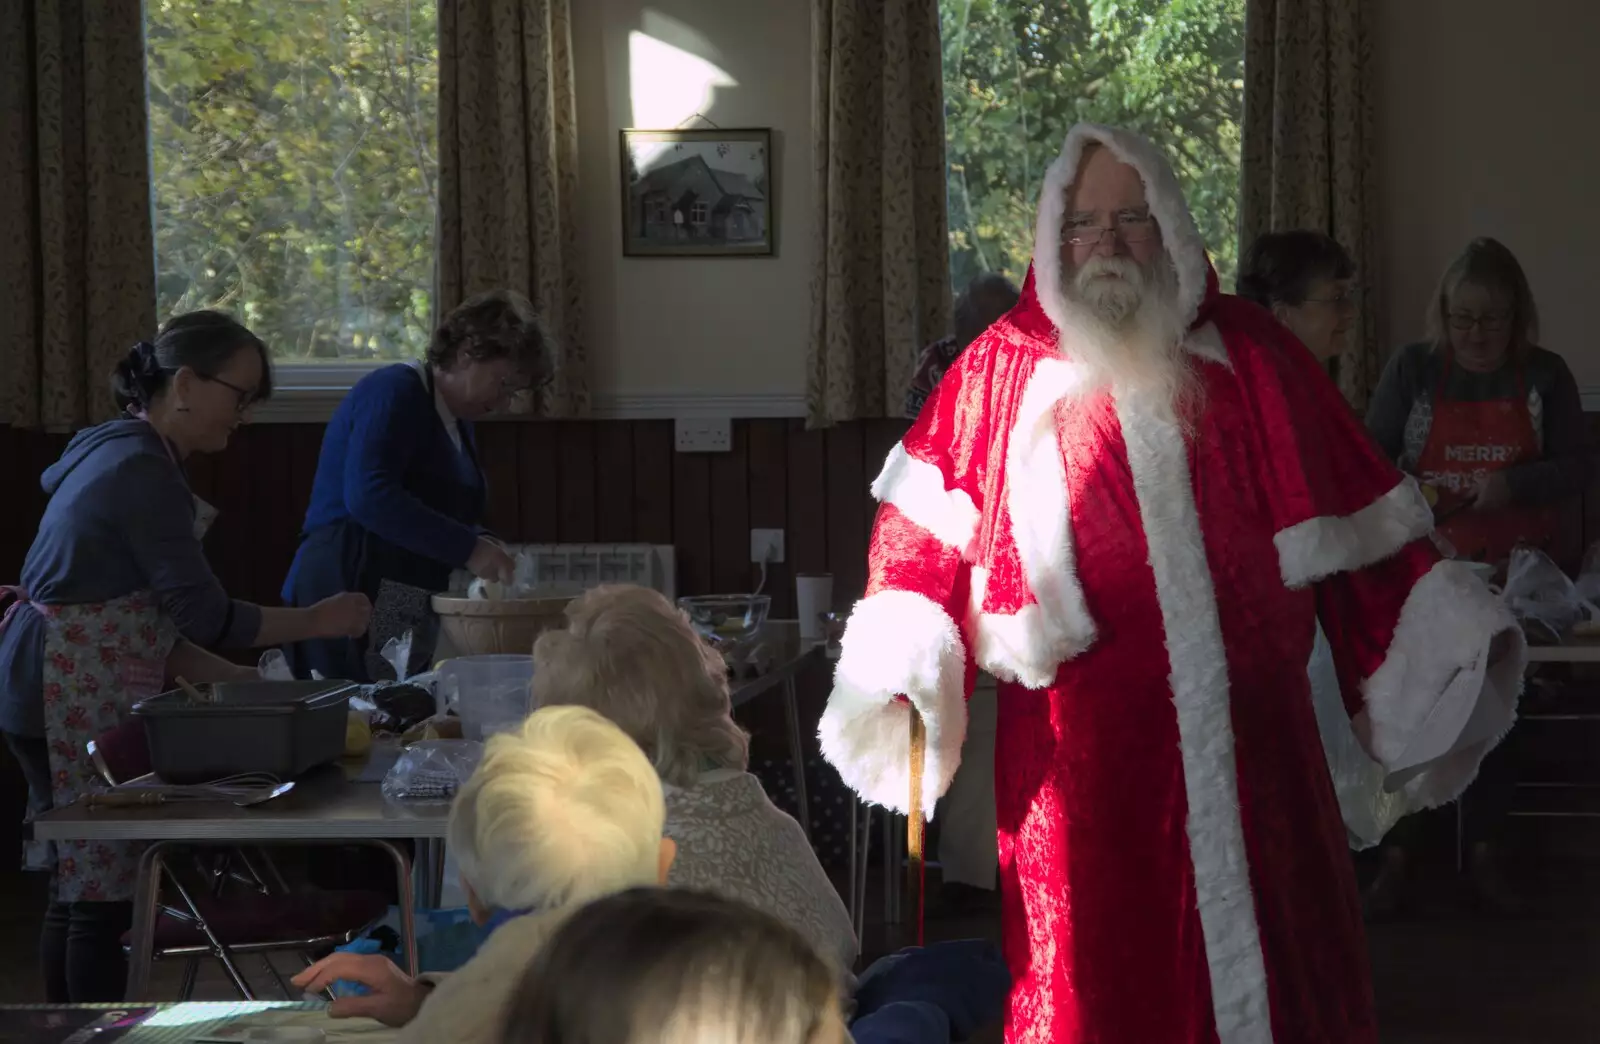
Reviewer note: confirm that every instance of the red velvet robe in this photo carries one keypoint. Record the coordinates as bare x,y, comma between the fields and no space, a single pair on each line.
1173,863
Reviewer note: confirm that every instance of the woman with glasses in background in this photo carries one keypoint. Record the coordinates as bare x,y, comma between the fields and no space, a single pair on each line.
399,498
1307,281
1489,422
1492,425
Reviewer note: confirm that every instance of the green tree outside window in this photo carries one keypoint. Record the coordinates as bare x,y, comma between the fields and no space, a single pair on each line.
1019,73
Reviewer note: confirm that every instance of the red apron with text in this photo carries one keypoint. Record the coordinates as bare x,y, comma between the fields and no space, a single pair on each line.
1468,440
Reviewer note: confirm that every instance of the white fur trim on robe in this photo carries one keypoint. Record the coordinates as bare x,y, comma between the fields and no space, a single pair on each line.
1320,547
917,490
1436,693
1029,646
1159,461
897,643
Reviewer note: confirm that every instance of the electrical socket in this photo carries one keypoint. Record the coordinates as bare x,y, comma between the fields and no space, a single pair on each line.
703,434
766,545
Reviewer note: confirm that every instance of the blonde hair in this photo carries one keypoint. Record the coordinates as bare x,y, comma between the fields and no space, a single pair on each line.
633,656
667,966
563,810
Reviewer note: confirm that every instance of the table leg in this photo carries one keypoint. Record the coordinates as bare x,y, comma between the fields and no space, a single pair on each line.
860,856
141,938
428,873
408,902
791,707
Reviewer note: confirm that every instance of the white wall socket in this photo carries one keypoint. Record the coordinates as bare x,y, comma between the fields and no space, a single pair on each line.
703,434
766,545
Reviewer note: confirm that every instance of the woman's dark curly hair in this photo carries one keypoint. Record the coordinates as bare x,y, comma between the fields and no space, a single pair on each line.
1280,267
499,324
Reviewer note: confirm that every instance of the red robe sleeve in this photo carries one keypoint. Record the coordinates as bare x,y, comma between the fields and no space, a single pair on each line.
904,638
1430,661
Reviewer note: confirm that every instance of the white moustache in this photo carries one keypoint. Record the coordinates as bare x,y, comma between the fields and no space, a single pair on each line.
1124,268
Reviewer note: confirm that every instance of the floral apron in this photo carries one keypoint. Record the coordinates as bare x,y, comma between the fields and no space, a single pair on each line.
99,660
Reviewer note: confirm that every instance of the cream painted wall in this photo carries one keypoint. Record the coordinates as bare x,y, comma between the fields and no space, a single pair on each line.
1488,116
692,326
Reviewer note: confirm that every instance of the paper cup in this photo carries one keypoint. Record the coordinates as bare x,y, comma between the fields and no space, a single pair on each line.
814,596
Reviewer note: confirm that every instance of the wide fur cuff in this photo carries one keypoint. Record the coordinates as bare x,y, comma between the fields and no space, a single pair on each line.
897,644
917,490
1320,547
1437,690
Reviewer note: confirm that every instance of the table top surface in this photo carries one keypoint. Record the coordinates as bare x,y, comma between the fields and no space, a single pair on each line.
198,1020
330,803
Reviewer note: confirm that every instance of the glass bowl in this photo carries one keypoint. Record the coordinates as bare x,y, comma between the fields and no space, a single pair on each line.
731,623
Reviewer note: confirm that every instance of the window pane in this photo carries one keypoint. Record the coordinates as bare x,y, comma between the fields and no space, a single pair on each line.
1019,73
293,156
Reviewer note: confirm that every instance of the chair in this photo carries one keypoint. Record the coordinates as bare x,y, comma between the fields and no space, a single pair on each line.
199,918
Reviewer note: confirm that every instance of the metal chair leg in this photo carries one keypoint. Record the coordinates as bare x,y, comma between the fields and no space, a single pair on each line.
791,709
219,950
191,971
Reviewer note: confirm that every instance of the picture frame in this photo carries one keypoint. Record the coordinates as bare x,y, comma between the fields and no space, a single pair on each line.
705,192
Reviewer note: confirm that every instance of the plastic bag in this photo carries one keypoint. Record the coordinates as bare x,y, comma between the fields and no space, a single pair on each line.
1369,811
1540,594
274,666
432,770
397,654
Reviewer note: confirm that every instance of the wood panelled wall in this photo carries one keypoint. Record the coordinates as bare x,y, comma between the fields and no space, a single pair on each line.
550,482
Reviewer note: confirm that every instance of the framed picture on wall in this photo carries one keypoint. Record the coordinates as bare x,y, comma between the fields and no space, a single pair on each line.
697,193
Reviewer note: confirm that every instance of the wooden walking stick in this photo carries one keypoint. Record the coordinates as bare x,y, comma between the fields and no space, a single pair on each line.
915,828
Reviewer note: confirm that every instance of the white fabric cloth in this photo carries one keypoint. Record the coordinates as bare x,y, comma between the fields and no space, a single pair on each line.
1368,809
969,852
733,841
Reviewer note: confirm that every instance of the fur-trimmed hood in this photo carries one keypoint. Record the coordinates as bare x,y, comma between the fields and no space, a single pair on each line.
1197,281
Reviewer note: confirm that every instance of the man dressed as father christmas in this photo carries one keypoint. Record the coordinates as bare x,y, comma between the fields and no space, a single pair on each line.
1131,501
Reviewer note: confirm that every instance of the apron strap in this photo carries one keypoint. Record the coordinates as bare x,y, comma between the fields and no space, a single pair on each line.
12,599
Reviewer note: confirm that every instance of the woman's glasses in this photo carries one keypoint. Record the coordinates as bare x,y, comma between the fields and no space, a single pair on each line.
1489,322
246,397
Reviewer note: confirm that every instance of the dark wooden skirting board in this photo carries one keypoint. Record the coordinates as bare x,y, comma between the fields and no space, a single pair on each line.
550,482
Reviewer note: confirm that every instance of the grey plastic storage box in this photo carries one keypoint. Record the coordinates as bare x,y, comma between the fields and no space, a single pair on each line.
282,727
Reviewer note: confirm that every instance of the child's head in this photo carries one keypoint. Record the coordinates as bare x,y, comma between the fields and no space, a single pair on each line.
667,966
563,810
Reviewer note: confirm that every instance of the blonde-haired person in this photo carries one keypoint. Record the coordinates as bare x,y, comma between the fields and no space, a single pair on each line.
668,966
632,655
559,813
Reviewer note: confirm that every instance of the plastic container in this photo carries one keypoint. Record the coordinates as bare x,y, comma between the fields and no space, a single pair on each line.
489,693
283,727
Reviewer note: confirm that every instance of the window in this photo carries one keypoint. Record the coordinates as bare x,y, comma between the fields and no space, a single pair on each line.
699,213
1019,73
294,168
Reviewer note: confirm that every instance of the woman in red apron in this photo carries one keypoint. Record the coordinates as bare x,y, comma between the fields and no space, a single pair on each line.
116,598
1493,426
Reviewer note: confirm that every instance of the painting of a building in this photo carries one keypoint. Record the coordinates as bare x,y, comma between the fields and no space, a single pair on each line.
686,203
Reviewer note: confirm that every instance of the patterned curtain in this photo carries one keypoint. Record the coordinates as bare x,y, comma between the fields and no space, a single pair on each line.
1309,138
508,170
880,282
77,253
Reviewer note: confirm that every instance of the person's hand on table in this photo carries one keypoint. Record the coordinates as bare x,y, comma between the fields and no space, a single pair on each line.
345,615
1491,492
490,561
395,998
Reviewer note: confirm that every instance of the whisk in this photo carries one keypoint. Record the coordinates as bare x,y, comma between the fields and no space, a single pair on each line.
245,788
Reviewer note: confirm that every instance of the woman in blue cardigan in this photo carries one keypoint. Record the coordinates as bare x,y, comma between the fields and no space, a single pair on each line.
399,495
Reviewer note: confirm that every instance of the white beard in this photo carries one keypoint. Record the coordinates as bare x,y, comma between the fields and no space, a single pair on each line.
1123,322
